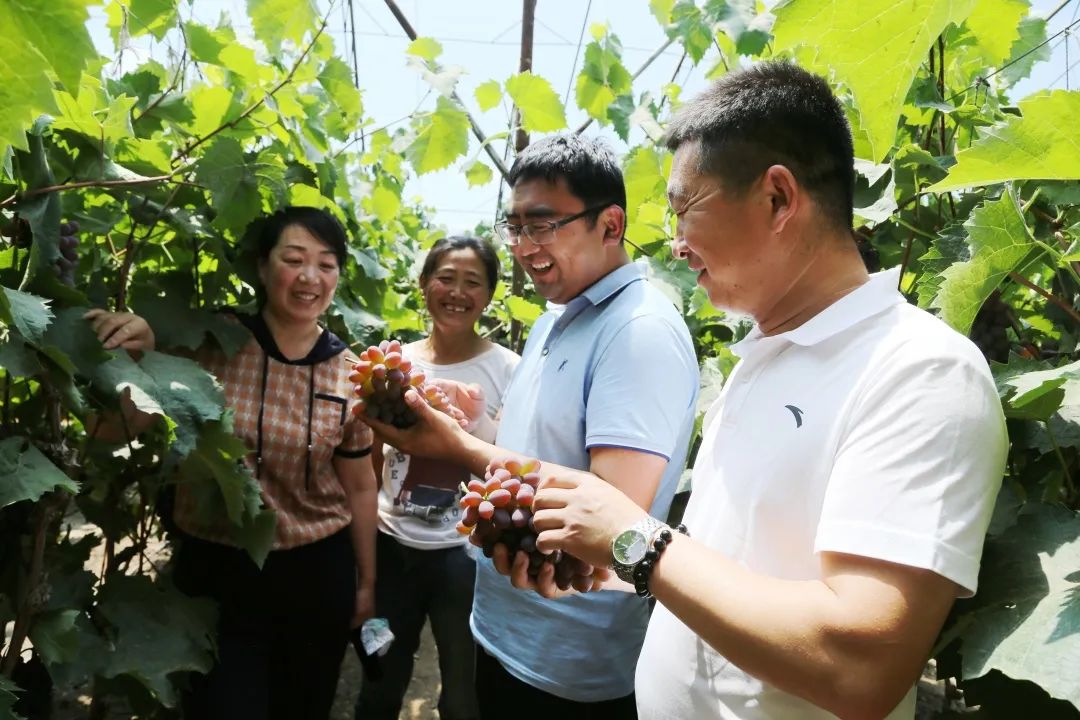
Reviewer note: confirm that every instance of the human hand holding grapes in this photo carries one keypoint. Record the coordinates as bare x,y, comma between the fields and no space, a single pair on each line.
580,513
498,517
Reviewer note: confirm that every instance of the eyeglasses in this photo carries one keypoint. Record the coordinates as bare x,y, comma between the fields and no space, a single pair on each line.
540,233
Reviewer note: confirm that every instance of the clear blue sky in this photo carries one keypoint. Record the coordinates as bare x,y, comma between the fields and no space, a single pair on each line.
482,36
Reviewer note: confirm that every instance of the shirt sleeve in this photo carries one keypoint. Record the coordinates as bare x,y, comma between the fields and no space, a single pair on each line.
356,440
642,388
918,467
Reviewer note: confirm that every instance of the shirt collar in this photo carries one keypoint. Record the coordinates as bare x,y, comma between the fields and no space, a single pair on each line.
875,295
614,281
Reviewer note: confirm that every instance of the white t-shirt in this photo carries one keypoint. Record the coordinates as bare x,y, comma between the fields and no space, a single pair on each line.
418,498
873,429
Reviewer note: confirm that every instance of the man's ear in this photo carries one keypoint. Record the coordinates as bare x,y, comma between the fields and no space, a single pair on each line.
613,220
785,196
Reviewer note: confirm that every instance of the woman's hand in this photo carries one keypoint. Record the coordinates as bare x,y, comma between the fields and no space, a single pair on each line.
121,330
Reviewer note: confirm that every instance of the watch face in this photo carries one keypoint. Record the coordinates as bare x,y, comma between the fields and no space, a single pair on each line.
629,547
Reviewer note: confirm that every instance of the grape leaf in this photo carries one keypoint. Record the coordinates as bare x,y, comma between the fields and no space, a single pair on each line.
27,473
871,46
225,490
1036,146
1033,389
523,310
55,636
234,188
541,109
478,174
278,21
220,47
385,203
56,29
1026,616
8,699
999,241
688,24
644,172
71,342
163,384
17,357
157,631
337,79
1028,50
661,10
140,17
30,314
442,137
995,24
425,47
488,95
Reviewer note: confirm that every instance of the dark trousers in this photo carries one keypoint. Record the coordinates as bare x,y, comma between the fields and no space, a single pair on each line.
502,695
413,585
282,630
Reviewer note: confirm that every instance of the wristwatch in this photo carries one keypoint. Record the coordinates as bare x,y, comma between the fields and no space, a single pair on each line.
628,548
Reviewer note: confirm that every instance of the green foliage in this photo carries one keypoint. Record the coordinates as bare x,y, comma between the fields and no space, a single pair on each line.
855,52
27,473
1029,597
541,110
999,242
164,165
1035,146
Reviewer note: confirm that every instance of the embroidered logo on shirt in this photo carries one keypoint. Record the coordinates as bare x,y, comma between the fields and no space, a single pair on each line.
797,413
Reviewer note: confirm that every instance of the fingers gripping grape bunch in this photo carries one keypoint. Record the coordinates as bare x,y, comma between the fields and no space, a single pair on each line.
69,253
498,510
382,376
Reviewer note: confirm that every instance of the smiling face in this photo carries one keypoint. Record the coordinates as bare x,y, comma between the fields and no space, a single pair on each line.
300,276
456,292
579,255
725,237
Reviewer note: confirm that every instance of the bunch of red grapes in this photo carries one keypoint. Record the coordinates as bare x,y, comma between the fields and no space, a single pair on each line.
69,253
382,376
498,511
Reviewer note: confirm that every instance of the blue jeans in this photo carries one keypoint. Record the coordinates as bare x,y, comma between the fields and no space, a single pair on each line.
413,585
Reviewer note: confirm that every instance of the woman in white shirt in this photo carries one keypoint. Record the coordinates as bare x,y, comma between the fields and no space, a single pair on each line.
423,569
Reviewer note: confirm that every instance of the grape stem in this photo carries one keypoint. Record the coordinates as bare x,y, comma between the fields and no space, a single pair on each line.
1069,309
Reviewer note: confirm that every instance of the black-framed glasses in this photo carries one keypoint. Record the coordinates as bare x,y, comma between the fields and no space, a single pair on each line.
543,232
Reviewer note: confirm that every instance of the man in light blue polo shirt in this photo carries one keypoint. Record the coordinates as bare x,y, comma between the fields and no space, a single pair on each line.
607,383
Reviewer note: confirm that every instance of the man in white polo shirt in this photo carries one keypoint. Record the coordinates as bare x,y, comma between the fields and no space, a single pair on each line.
848,470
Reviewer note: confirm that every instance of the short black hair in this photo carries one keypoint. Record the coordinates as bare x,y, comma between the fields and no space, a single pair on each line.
772,113
588,166
483,249
263,234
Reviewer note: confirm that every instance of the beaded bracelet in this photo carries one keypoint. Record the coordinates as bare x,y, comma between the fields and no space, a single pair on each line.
645,567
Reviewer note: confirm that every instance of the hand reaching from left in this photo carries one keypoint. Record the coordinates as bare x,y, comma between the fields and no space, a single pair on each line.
121,330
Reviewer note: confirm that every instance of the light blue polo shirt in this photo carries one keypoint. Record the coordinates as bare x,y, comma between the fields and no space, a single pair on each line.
614,367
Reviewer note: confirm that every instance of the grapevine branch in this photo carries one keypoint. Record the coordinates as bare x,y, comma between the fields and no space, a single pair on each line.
479,133
96,184
187,149
172,86
1069,309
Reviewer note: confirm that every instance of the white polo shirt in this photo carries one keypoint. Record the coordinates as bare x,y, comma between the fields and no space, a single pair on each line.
873,429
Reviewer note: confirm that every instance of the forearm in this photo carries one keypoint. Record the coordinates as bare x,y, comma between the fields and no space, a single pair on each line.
799,636
364,506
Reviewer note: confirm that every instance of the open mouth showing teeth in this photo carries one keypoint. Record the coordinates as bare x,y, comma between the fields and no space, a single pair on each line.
307,297
455,308
542,267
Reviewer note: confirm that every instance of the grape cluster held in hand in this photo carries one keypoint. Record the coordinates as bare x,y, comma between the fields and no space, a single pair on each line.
382,377
498,511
